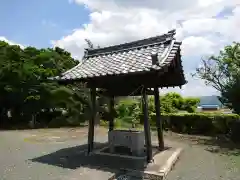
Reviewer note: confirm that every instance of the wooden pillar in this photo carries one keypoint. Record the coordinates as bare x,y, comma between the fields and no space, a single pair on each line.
148,141
111,113
91,121
158,119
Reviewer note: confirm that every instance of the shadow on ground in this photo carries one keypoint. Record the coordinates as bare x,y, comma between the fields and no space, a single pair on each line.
222,145
76,157
215,144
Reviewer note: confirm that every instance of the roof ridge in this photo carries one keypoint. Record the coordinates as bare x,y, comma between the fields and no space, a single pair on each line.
165,54
133,44
126,49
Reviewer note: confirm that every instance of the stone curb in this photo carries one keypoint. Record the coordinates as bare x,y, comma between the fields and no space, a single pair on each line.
171,162
160,175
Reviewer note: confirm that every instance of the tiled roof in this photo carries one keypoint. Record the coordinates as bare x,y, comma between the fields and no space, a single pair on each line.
138,56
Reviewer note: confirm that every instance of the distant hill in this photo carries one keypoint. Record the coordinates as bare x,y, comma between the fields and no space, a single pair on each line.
209,100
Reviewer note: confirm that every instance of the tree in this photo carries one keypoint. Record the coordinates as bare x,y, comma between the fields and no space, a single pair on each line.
190,104
169,102
223,72
25,90
231,95
173,102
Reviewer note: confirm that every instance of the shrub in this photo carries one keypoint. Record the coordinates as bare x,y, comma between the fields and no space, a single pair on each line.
117,123
235,131
126,107
167,105
174,102
199,123
190,104
58,122
103,123
128,110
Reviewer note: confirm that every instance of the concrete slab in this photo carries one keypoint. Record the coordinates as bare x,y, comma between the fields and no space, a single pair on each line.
89,174
158,170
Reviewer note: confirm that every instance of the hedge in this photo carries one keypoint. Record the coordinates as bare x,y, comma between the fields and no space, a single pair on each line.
200,123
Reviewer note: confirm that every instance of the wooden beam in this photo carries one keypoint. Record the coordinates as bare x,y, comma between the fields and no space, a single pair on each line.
148,141
111,113
158,119
91,121
124,92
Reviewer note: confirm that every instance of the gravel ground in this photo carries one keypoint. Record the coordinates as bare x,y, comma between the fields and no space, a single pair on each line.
206,160
17,148
198,162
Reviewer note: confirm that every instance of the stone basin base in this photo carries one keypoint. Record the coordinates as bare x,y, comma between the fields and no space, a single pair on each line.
134,140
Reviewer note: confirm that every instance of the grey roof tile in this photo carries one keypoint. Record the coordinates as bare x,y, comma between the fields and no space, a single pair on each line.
125,58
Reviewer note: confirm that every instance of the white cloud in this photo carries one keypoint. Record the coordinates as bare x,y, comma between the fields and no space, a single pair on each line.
2,38
197,24
194,87
229,26
197,44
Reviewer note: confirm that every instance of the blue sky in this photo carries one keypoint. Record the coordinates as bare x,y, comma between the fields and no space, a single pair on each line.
34,22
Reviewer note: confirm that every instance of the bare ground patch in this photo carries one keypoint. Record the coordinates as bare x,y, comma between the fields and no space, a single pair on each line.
59,135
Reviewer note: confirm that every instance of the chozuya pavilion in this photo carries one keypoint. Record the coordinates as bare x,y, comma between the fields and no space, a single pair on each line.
137,68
